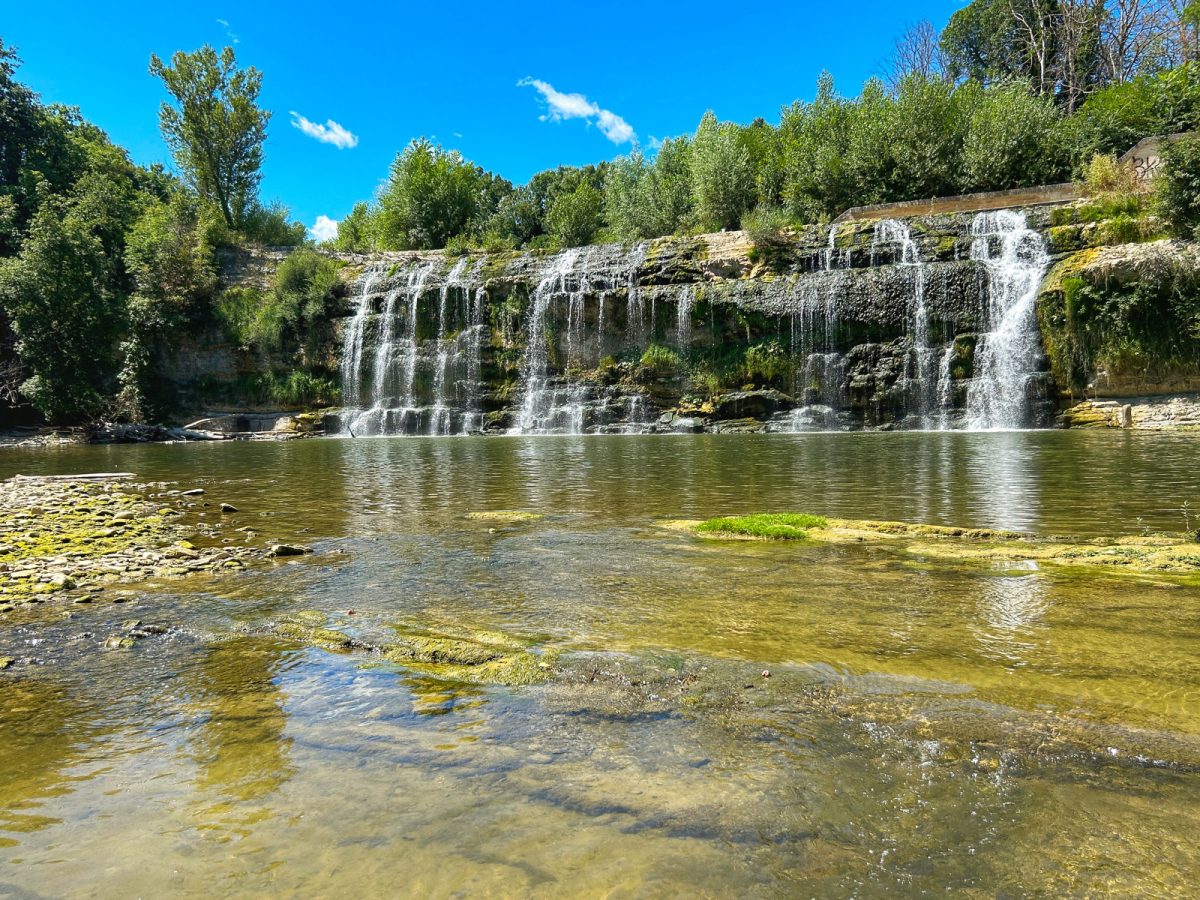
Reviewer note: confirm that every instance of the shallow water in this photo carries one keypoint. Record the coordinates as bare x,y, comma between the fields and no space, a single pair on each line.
925,726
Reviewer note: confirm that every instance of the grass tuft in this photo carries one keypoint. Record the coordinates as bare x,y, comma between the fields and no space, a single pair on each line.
769,526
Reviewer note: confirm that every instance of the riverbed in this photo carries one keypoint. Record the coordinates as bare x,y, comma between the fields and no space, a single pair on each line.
723,719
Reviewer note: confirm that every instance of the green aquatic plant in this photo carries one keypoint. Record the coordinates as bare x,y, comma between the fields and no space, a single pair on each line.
768,526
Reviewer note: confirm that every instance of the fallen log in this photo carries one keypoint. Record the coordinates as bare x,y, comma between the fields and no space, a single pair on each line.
87,476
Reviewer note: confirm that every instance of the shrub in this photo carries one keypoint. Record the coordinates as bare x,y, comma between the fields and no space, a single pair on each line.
766,363
301,302
767,227
1177,187
661,361
574,217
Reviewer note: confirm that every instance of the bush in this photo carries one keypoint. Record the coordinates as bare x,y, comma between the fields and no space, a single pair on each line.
574,218
1105,176
661,361
767,363
1177,187
767,227
302,300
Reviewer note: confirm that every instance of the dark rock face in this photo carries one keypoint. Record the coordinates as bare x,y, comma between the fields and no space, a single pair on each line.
869,326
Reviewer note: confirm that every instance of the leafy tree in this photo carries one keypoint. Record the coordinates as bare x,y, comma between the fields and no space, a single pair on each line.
722,174
518,218
644,199
983,41
431,195
574,217
1177,186
356,232
216,130
64,295
1012,139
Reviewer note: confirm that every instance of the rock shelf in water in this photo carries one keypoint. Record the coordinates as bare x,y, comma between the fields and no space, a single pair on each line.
1152,554
74,534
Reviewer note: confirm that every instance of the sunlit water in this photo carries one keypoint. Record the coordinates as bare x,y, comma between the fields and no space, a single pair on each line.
926,726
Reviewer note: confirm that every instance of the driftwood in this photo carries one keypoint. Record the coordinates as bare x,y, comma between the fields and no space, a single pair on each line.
88,476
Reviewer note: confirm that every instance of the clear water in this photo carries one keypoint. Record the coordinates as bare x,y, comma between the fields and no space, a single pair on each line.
926,727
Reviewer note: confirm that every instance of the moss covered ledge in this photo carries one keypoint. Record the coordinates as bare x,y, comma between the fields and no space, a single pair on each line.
1162,554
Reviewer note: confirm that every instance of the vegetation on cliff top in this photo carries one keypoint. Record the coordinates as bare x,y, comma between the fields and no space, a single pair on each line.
1011,94
104,264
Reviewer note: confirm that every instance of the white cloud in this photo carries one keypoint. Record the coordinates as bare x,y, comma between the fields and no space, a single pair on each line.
329,133
324,229
560,107
233,38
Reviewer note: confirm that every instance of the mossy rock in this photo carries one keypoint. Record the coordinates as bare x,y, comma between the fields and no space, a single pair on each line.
1158,555
769,526
504,516
480,657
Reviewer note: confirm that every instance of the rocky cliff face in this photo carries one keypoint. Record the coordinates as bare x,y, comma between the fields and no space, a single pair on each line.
867,325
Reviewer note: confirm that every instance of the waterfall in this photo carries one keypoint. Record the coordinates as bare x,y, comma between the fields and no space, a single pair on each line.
1006,356
474,303
683,318
439,419
945,387
352,342
377,417
894,231
537,400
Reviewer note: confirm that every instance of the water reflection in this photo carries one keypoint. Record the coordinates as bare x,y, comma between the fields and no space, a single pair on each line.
239,745
1004,474
45,732
1011,610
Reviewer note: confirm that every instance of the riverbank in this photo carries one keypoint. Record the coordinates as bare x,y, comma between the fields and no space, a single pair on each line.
77,535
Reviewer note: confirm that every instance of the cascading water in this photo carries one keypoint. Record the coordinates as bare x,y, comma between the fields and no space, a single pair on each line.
379,415
897,232
439,419
683,318
571,329
1006,357
820,380
537,399
352,343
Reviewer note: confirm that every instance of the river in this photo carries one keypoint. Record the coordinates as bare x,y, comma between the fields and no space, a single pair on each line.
736,718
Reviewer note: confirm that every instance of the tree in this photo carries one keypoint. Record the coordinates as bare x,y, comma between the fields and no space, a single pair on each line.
916,53
1012,139
574,218
1177,187
63,294
216,129
644,199
431,195
984,42
722,174
356,231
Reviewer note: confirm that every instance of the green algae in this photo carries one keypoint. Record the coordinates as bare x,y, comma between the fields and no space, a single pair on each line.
768,526
1152,555
453,654
479,657
503,516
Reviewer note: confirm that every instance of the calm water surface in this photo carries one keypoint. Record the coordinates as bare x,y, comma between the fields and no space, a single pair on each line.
926,726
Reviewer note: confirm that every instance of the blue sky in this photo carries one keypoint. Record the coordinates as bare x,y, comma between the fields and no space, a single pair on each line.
387,73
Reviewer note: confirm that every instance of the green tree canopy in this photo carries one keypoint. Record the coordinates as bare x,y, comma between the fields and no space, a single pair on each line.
216,129
432,195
